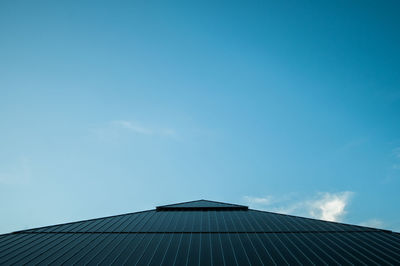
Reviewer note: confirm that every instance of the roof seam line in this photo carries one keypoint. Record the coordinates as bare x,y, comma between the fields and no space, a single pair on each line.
206,232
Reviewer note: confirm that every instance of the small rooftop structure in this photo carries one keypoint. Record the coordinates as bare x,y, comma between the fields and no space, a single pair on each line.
199,205
201,233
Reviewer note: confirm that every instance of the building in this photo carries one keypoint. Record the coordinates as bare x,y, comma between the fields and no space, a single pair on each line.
201,232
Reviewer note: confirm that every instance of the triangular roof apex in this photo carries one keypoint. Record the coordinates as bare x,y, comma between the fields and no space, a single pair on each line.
202,205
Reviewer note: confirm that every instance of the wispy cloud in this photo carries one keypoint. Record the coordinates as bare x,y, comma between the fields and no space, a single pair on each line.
258,200
375,223
326,206
132,126
139,128
115,128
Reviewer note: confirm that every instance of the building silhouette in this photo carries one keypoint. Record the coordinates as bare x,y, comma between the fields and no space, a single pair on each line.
201,233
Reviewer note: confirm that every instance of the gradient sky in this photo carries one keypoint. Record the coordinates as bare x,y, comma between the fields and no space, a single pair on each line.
109,107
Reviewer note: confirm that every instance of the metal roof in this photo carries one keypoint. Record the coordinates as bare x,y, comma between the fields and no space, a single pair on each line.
201,232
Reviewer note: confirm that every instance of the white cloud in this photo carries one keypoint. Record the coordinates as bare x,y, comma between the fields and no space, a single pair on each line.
330,206
375,223
325,206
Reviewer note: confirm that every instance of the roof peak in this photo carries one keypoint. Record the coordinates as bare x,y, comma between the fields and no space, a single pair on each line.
201,205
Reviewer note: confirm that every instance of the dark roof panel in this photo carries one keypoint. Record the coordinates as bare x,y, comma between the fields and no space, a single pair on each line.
144,248
201,236
201,221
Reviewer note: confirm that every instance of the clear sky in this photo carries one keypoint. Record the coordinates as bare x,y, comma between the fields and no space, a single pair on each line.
109,107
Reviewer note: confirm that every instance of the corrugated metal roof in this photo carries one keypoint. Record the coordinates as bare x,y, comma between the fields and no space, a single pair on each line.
203,236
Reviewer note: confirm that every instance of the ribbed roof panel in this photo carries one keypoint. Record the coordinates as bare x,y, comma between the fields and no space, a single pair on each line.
202,221
241,248
201,236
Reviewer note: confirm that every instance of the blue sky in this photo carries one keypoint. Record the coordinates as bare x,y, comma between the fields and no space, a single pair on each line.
109,107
